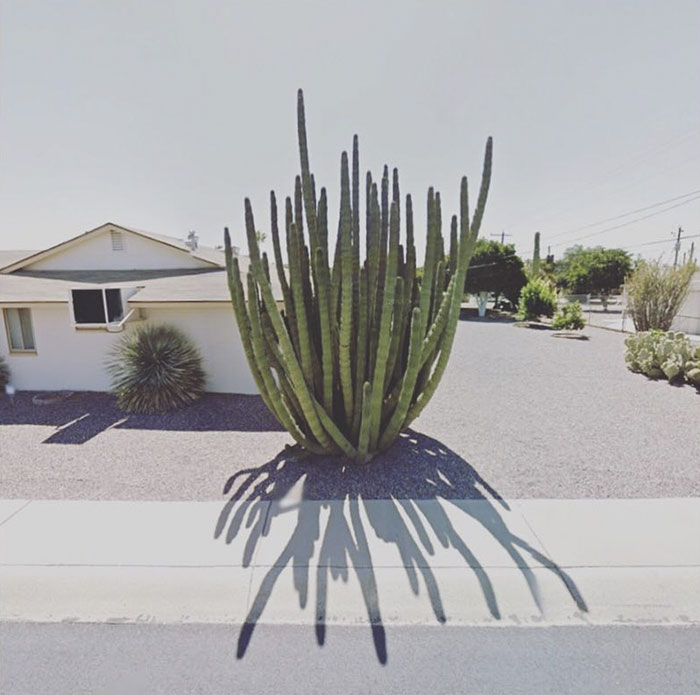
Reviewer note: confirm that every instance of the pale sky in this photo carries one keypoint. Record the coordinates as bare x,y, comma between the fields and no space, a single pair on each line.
164,114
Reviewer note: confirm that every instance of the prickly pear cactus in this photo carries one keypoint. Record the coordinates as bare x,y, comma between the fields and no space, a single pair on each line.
661,354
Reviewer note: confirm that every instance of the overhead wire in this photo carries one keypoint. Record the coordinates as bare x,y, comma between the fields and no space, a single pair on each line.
626,224
624,214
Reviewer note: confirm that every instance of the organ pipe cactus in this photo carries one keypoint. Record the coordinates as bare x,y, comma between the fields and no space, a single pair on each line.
357,346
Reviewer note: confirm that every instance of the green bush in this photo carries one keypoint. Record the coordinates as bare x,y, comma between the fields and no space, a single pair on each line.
4,375
660,354
155,369
537,299
569,318
656,292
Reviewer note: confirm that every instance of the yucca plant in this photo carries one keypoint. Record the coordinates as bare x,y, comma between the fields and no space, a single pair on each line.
360,344
4,374
154,369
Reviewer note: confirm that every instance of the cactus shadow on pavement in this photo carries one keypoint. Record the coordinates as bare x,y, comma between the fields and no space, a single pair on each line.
418,476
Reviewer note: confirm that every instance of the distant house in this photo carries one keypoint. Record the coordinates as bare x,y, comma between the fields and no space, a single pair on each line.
64,308
688,316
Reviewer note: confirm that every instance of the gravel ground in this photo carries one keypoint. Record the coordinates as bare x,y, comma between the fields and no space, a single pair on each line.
519,411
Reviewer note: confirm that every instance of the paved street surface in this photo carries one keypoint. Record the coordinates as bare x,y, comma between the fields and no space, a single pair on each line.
193,660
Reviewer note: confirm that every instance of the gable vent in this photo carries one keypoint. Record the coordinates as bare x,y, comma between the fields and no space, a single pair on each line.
117,241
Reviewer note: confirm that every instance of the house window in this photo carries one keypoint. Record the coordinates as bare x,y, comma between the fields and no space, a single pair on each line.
117,240
20,335
97,306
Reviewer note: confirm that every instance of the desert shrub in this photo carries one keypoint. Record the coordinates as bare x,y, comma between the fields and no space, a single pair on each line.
155,369
569,318
655,293
4,374
660,354
537,299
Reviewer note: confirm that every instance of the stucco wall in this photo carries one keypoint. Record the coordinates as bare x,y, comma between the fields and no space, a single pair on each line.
72,359
688,317
65,357
213,329
95,253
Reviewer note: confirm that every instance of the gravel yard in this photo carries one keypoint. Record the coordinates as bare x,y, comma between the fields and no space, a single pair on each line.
523,412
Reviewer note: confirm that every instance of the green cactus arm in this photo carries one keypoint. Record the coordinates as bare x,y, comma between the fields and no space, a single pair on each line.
396,333
356,210
266,266
378,378
396,423
296,270
438,326
308,184
289,309
326,340
240,311
277,364
339,439
366,423
430,263
279,262
346,303
360,351
279,407
287,349
454,246
373,274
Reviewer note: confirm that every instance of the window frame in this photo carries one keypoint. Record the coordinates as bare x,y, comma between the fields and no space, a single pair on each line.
105,308
13,350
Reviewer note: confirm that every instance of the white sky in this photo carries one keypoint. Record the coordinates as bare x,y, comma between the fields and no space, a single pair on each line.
165,114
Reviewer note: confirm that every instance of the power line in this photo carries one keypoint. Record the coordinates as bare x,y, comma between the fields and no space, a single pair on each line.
660,241
624,214
613,174
626,224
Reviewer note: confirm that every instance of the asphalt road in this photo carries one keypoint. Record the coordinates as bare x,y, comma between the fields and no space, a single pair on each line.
532,415
67,659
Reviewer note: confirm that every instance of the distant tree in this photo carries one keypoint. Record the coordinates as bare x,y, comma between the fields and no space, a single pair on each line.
593,270
496,268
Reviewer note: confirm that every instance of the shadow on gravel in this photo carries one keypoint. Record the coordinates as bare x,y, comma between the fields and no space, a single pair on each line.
469,314
419,478
86,414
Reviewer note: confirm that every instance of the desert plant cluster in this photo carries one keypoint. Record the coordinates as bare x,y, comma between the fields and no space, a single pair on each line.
660,354
569,318
156,368
537,298
655,293
361,344
4,375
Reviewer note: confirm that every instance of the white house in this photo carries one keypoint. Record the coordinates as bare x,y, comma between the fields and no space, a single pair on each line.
65,308
688,317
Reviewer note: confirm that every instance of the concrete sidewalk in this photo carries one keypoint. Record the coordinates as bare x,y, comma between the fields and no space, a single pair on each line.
465,562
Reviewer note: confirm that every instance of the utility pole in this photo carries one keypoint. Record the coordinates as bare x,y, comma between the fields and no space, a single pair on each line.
678,246
503,236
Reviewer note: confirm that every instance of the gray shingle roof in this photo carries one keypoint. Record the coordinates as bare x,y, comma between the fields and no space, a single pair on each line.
173,286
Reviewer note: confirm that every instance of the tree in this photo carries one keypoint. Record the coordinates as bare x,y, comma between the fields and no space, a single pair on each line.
496,268
593,270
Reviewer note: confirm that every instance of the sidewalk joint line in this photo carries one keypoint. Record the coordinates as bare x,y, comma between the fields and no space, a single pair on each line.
16,512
